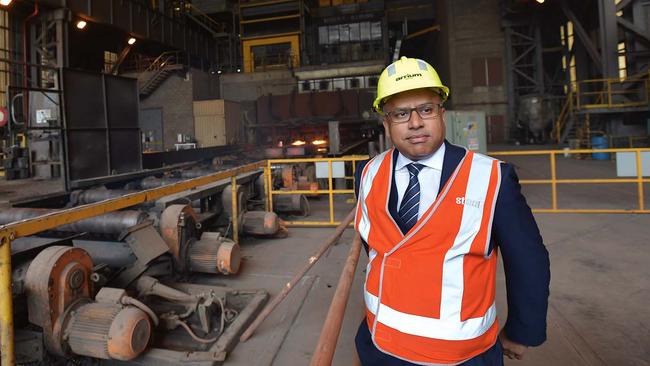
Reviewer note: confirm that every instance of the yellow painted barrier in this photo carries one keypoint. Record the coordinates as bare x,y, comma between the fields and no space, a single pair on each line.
330,191
554,181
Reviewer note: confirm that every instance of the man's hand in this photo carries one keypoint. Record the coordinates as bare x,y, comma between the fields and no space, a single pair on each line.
511,349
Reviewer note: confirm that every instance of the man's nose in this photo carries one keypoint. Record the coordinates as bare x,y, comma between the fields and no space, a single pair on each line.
415,121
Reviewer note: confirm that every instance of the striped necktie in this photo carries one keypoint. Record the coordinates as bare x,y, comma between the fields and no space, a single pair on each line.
408,210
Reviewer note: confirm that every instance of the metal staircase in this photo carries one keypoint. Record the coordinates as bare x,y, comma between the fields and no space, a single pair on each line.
158,71
631,94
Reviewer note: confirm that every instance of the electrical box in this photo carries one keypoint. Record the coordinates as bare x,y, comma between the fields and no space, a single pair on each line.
468,129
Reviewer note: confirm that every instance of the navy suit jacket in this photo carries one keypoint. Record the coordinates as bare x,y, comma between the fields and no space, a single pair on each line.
517,236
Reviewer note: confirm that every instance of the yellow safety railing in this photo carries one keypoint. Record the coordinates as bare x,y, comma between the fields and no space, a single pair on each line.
10,232
554,181
330,191
613,93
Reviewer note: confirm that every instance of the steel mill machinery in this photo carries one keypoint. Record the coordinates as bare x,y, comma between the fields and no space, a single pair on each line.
120,287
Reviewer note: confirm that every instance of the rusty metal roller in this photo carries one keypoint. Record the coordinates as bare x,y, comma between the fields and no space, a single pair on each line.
214,254
108,331
261,223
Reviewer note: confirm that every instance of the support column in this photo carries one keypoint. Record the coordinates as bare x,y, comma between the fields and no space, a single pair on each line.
334,137
608,33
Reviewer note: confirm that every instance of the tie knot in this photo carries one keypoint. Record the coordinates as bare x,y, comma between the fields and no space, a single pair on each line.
414,168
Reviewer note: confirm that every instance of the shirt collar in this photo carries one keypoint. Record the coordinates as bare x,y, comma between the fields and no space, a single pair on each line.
434,161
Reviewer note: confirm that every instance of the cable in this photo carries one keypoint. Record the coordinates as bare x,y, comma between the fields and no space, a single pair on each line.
127,300
194,336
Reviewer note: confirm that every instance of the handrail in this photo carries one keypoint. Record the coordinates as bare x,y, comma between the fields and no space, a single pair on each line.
330,191
162,60
38,224
554,181
607,88
206,19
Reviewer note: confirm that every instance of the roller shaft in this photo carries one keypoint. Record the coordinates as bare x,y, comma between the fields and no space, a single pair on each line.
110,223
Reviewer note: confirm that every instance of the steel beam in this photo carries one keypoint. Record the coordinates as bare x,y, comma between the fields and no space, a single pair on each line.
582,34
634,29
623,4
608,34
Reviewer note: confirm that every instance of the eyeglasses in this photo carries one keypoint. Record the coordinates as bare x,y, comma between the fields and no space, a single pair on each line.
425,111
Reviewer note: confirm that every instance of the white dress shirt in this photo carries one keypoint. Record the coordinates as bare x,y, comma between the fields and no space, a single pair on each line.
429,178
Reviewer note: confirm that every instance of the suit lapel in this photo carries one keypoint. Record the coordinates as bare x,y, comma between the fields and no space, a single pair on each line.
453,155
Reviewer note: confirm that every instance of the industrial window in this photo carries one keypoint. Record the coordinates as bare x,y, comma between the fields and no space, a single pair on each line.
110,59
352,32
568,63
350,42
487,71
323,84
622,61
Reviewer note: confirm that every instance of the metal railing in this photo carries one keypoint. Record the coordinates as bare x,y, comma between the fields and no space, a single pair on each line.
554,181
585,95
613,93
330,191
15,230
144,64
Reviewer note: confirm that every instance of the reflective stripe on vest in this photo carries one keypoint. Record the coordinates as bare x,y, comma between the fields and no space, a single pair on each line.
437,282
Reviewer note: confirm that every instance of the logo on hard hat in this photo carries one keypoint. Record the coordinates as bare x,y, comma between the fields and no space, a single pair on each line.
408,76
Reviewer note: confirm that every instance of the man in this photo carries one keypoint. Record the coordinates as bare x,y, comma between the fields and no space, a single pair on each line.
433,216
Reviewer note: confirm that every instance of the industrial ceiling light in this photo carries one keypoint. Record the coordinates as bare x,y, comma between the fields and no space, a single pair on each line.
5,2
131,41
540,1
81,24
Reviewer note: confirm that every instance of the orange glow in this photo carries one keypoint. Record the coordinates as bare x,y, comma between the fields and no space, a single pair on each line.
319,142
298,143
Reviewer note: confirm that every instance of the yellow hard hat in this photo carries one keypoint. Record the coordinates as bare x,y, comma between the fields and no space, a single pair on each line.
407,74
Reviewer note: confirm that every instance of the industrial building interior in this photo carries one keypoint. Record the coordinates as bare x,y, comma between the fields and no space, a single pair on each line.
177,182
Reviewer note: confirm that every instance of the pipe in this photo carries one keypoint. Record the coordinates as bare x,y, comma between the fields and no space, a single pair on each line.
7,356
326,346
110,223
26,62
97,195
147,285
290,285
111,253
151,183
193,173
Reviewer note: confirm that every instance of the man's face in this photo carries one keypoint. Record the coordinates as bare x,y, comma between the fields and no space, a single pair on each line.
417,138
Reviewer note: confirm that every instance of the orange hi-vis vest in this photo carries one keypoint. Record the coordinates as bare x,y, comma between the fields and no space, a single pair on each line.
429,294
